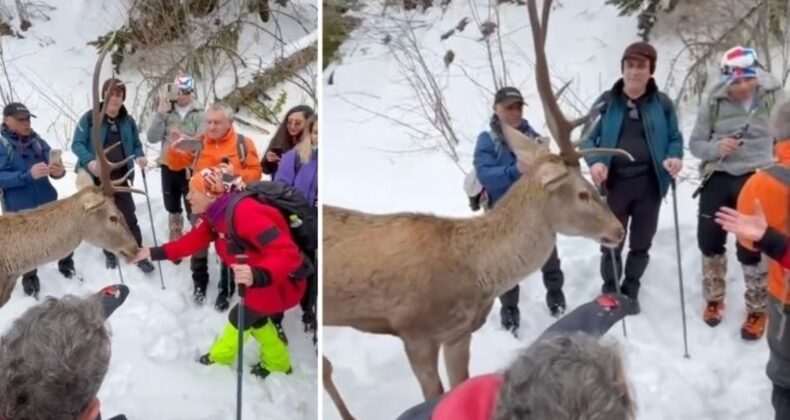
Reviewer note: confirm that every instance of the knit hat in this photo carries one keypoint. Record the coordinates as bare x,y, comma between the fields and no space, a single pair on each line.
739,63
117,86
640,51
215,182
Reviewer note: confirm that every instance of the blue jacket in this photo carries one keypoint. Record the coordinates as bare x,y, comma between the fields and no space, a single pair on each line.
130,138
494,162
661,129
20,190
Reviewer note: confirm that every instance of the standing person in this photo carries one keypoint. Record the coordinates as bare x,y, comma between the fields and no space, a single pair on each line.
732,139
274,272
638,118
117,126
495,165
186,115
299,168
25,169
221,146
288,134
764,224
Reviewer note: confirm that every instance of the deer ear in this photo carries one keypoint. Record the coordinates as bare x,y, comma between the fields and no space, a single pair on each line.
92,201
523,147
551,175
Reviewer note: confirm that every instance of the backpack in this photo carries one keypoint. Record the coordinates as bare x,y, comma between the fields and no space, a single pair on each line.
779,172
302,219
475,192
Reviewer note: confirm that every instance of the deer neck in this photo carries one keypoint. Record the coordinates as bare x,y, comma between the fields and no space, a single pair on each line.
510,241
33,238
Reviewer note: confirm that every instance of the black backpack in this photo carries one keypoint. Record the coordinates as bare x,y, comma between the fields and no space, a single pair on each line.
300,215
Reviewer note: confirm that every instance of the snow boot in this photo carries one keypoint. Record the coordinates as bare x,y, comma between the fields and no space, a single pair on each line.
754,326
146,266
31,285
713,313
262,372
110,261
199,294
223,301
511,318
205,360
555,300
66,267
630,288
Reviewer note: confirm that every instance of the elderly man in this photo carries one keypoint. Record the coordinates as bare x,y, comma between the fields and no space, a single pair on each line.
220,145
25,169
118,126
732,138
55,356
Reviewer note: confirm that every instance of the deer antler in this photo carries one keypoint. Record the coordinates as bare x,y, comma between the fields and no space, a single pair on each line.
105,166
559,126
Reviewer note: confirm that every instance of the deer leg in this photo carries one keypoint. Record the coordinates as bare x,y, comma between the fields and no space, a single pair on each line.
456,359
424,359
331,389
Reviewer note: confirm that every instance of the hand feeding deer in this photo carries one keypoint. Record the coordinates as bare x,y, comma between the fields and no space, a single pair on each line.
35,237
431,281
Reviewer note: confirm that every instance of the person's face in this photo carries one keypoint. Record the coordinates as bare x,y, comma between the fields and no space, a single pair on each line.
510,113
198,201
184,97
217,125
314,134
115,101
295,123
742,89
636,73
20,126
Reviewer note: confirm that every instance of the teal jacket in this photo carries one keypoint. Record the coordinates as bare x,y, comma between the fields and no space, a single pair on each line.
661,129
130,138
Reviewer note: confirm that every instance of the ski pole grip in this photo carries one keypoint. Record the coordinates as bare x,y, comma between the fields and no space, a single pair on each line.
242,259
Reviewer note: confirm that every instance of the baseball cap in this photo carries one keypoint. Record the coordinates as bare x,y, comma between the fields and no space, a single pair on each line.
16,110
508,95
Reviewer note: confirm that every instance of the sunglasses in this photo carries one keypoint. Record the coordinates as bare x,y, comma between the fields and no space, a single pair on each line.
633,113
185,92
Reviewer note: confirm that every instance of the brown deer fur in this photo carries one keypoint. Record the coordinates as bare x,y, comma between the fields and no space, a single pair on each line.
431,281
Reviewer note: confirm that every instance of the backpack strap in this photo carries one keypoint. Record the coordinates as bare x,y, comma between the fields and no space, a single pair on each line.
238,244
714,104
9,148
780,173
241,148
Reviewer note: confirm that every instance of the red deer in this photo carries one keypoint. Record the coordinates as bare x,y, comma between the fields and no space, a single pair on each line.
35,237
431,281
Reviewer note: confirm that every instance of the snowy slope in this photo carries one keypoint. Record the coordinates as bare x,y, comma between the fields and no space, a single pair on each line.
157,334
723,378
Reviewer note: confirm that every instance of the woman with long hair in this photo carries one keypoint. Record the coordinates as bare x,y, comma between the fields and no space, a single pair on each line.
287,136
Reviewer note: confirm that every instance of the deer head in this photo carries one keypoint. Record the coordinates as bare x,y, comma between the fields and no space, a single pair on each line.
575,207
104,224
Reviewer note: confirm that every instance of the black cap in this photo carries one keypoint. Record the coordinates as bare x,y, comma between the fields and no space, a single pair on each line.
16,110
508,95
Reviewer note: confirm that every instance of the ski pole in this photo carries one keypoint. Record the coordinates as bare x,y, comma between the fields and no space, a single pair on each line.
241,259
680,269
153,231
120,272
604,192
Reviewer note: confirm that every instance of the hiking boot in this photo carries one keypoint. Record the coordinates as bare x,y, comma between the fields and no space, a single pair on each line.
609,288
223,302
204,360
511,318
176,224
630,288
713,313
199,295
309,321
31,285
66,268
146,266
110,261
555,300
262,372
754,326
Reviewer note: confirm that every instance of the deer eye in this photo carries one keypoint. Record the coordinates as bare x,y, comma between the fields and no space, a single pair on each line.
584,196
114,219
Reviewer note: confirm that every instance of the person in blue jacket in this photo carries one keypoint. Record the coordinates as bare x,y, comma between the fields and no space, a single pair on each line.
635,117
118,126
495,165
25,170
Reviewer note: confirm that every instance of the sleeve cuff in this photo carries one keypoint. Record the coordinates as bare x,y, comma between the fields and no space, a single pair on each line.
158,253
773,244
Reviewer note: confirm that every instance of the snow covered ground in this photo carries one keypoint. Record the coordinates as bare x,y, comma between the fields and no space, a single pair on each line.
369,164
157,334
